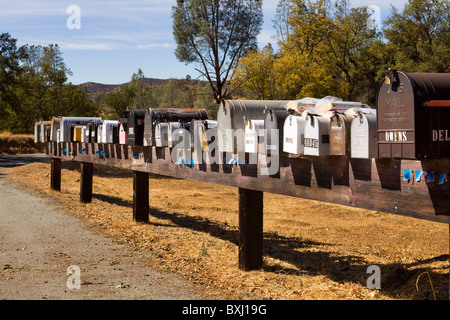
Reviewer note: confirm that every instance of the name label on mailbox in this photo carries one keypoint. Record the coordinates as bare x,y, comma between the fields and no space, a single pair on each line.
396,136
441,135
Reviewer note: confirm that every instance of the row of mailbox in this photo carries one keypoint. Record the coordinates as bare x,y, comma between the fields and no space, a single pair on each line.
412,121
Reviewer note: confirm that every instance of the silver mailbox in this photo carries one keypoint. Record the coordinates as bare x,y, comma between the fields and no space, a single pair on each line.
273,125
177,132
317,135
162,134
231,118
293,134
108,132
254,136
363,133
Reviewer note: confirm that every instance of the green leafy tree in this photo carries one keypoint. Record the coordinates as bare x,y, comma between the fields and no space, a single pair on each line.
419,36
215,34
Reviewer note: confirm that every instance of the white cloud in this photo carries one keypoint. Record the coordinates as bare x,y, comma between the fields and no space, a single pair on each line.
87,46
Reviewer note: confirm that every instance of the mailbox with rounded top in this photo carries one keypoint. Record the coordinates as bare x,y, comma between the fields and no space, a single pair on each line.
339,134
413,115
294,134
162,134
231,118
254,136
274,124
317,135
136,127
363,132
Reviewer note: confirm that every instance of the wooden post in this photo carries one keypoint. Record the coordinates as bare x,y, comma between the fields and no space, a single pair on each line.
250,229
87,172
55,174
140,196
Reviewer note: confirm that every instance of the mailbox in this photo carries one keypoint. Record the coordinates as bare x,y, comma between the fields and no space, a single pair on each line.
233,114
294,134
413,115
162,134
176,130
273,125
37,132
62,127
123,129
91,133
363,132
339,134
317,135
78,133
254,136
156,115
108,132
136,127
199,131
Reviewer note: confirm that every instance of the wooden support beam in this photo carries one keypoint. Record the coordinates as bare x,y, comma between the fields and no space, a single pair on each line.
250,229
140,196
55,174
87,172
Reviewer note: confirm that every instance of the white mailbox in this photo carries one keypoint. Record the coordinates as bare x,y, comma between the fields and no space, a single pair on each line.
254,136
317,135
363,133
109,132
162,134
293,134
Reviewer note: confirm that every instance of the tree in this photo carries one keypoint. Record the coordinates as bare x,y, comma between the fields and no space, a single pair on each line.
419,37
215,34
10,69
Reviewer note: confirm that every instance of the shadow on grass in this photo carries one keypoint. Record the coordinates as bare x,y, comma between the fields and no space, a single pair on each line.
397,280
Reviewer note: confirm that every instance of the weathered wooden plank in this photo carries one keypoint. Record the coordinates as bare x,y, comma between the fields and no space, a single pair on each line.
55,174
250,229
375,184
87,172
140,196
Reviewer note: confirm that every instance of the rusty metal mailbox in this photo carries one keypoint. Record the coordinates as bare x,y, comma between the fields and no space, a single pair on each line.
294,134
363,132
339,134
156,115
317,135
413,115
273,125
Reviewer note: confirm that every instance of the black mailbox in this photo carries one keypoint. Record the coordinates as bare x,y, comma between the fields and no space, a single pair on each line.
156,115
136,127
413,115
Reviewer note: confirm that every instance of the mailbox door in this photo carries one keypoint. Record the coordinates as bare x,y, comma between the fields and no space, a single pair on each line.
253,135
339,135
161,134
396,118
274,124
293,134
317,136
364,136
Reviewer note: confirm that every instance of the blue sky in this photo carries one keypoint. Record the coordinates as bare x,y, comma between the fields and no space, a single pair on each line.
116,38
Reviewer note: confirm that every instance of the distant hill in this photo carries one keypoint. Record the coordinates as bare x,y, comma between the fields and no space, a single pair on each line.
94,87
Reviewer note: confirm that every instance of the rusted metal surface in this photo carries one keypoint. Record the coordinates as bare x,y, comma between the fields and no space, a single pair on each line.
410,124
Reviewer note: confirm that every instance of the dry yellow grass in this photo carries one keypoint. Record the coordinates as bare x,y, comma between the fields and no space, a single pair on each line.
19,144
312,250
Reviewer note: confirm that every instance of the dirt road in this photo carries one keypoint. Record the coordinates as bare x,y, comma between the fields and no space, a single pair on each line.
39,242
